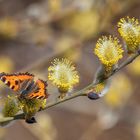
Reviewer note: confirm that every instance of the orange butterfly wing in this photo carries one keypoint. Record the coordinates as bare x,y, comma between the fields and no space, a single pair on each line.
14,80
41,92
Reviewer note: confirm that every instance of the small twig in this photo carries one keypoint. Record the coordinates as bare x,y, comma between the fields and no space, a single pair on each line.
83,92
125,63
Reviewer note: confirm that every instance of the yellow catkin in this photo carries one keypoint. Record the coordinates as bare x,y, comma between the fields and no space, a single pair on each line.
63,74
109,51
129,29
10,107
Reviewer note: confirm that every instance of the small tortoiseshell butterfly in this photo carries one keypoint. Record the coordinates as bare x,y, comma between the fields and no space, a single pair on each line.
24,84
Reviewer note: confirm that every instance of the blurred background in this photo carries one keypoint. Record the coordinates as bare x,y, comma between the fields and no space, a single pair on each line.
34,32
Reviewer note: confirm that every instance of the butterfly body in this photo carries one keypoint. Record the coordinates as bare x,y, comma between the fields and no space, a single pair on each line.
25,85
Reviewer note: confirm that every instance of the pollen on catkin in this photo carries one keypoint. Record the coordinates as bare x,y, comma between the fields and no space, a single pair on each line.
129,29
10,107
109,51
63,74
31,106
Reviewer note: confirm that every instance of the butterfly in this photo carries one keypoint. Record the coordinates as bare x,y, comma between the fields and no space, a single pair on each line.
25,84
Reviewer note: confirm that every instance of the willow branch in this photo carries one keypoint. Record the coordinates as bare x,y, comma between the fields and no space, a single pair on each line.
83,92
125,63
